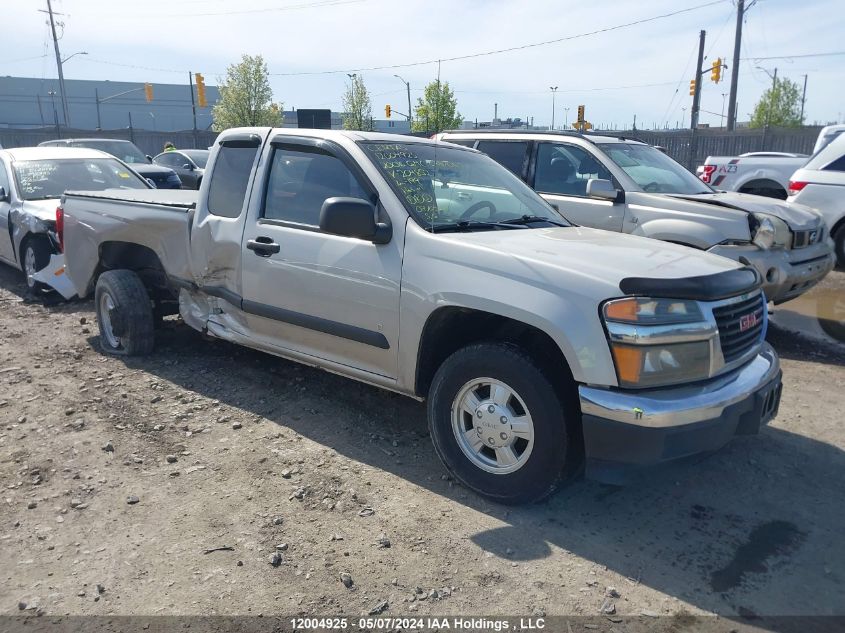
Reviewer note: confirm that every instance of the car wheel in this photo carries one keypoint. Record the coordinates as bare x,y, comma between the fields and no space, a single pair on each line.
839,246
124,314
498,424
35,256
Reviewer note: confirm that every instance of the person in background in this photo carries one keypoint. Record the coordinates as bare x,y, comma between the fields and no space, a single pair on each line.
169,147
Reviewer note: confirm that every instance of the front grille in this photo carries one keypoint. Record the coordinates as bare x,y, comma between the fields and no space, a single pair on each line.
802,239
731,318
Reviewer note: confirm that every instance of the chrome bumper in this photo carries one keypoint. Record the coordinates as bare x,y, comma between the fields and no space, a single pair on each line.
682,405
786,273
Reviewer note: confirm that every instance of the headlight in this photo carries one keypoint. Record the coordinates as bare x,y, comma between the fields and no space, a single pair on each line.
657,342
768,231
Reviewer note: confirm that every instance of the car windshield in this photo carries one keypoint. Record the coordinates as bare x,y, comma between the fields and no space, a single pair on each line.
124,150
444,185
50,178
652,170
199,156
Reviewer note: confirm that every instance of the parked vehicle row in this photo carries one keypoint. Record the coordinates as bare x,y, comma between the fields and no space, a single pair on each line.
624,185
426,268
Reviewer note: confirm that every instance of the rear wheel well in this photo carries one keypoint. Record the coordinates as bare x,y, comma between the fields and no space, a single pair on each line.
449,329
764,187
145,263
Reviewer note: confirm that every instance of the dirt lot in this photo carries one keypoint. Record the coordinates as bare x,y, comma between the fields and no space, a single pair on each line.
121,479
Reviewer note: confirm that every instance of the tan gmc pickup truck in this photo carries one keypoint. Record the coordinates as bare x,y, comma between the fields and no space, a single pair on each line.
540,347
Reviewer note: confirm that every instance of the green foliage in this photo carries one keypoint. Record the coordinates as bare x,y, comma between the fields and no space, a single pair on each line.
780,106
437,110
245,96
358,112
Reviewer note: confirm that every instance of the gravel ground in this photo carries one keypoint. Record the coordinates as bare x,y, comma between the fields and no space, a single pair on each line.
211,479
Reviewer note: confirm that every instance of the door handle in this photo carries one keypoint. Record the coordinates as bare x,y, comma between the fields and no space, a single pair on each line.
263,246
464,195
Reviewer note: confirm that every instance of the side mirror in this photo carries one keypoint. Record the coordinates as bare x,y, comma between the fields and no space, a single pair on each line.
353,217
149,158
601,189
4,195
188,166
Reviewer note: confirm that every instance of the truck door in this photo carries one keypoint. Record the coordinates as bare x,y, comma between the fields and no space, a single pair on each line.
331,297
560,172
218,223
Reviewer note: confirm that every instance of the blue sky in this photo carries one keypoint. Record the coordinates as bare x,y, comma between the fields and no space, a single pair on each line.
641,70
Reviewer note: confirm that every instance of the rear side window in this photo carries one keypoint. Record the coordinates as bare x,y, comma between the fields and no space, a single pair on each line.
510,154
460,141
229,180
837,165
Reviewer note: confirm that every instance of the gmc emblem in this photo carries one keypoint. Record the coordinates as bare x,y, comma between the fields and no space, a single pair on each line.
747,321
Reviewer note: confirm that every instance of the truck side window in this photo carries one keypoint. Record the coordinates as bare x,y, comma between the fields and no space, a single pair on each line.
301,180
837,165
510,154
565,169
229,180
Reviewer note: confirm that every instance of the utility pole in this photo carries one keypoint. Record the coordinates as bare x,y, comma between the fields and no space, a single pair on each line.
803,99
97,99
554,90
696,97
740,13
59,65
193,106
408,88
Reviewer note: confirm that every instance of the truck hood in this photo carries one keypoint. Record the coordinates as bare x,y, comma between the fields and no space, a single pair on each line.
797,216
600,259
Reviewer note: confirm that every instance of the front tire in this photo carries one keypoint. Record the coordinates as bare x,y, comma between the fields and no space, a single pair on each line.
35,256
839,246
124,314
498,424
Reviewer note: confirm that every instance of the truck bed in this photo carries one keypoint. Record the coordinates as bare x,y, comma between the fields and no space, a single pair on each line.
147,222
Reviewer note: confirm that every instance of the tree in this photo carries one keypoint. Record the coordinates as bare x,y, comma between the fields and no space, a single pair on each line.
437,109
245,96
780,106
357,107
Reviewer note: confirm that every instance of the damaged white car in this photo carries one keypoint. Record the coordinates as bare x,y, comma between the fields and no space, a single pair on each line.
32,179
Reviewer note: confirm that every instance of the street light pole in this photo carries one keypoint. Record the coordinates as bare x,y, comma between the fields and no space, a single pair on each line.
566,120
554,91
408,87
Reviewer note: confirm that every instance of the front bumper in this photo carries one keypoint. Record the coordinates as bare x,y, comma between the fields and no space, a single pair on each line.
626,430
786,273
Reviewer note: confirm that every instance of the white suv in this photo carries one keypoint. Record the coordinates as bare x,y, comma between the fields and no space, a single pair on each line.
821,184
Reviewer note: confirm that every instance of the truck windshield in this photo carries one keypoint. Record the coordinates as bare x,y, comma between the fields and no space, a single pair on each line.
50,178
652,170
444,186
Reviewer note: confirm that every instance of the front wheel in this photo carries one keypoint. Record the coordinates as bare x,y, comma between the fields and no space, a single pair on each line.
36,255
839,246
498,424
124,313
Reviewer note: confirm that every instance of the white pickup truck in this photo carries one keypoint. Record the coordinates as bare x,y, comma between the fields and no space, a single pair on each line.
541,347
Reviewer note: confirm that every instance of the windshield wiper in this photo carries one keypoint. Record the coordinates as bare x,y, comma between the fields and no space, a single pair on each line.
470,225
528,219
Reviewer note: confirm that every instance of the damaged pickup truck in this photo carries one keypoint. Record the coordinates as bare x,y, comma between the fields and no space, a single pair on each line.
542,348
32,180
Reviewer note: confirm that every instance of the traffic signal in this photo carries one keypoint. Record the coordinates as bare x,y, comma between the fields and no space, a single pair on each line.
692,87
387,111
201,100
580,113
716,71
148,91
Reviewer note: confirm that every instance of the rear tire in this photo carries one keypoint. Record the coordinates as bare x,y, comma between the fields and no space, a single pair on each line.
35,255
498,424
124,314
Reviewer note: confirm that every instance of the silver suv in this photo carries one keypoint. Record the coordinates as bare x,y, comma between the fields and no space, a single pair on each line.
621,184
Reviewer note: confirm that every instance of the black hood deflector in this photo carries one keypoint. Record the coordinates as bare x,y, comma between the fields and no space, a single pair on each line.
729,283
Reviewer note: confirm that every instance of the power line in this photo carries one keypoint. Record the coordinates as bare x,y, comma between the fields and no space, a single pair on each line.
510,49
828,54
23,59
